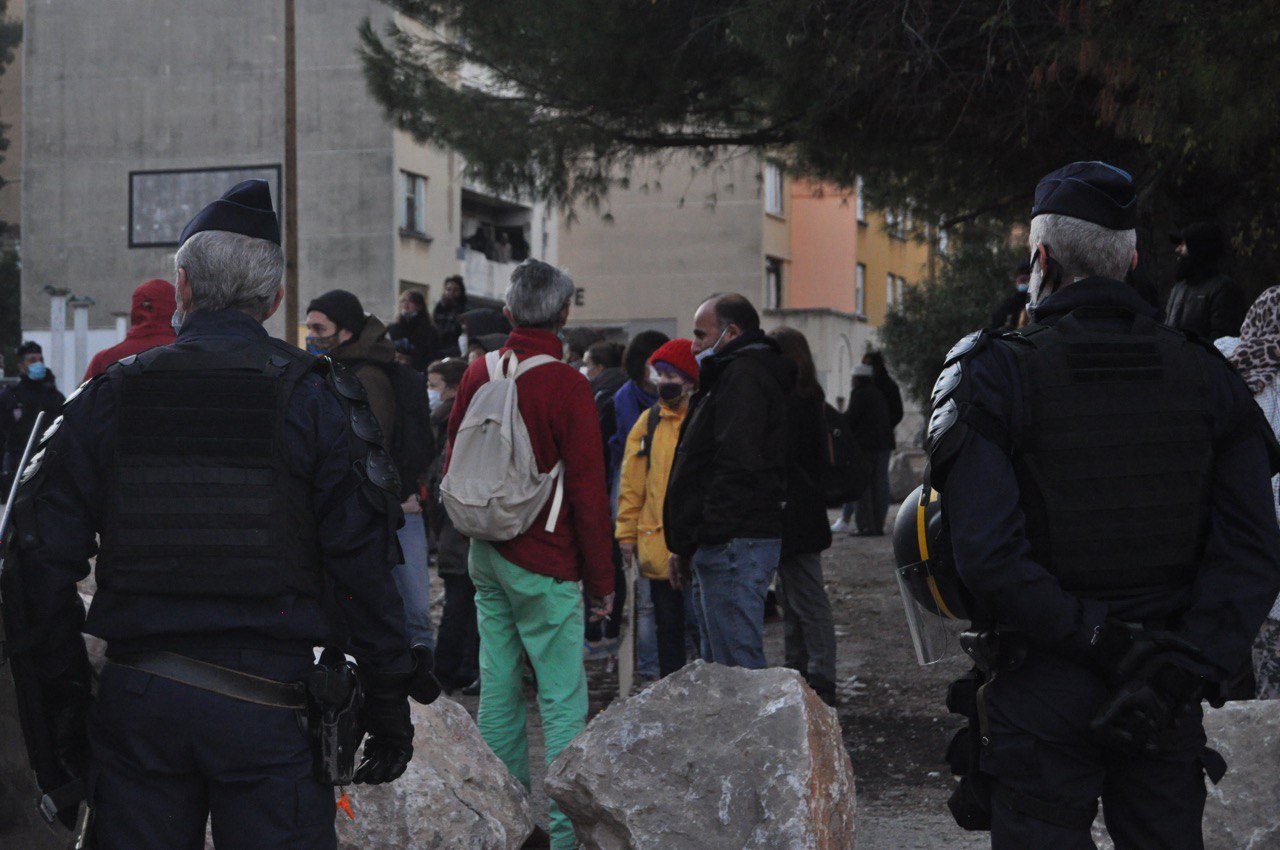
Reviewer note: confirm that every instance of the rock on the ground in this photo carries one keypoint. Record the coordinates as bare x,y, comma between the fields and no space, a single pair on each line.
456,794
710,758
906,471
1243,811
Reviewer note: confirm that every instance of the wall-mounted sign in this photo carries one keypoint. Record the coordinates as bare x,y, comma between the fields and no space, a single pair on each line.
162,202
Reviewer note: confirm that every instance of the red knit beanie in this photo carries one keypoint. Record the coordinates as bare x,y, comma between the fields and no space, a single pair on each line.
678,354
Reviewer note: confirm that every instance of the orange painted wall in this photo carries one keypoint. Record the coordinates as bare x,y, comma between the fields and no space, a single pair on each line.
824,247
828,242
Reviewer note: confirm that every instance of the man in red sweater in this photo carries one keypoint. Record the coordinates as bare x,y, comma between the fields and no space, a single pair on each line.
527,597
150,324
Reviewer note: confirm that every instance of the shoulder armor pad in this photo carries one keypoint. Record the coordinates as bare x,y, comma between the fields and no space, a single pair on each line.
344,381
971,342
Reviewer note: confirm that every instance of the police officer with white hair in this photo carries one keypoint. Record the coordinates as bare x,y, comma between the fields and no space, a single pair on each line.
1104,480
242,512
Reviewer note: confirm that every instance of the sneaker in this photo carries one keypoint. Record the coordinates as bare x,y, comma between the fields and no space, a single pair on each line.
595,650
840,525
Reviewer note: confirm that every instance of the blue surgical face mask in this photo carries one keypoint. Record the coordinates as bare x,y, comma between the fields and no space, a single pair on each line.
702,355
1022,287
37,371
175,321
433,397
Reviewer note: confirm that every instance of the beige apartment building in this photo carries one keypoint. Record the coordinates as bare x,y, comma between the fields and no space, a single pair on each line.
809,256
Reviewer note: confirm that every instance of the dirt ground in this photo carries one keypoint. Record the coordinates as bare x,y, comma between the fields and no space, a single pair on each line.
891,709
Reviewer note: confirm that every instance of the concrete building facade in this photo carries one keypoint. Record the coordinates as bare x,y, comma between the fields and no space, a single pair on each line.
807,255
123,145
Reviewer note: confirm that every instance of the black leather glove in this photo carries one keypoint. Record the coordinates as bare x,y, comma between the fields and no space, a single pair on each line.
423,687
1118,651
1139,710
389,744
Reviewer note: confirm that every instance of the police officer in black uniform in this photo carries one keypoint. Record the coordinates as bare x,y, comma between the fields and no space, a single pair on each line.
1105,483
245,515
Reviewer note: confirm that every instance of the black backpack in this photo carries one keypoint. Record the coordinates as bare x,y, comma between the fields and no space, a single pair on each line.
849,469
413,446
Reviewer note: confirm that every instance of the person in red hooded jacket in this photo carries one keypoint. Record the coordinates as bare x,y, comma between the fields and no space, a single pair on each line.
150,324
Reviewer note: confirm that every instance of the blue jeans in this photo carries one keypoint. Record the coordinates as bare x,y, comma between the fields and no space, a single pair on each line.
646,631
732,580
413,580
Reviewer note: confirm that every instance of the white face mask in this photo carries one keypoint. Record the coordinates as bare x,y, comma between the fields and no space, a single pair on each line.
433,397
463,341
586,371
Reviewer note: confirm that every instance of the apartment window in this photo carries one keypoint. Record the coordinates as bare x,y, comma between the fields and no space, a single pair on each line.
772,283
901,286
859,207
860,291
413,209
889,288
772,188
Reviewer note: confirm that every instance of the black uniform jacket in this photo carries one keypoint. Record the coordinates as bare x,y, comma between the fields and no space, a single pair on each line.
353,542
1238,576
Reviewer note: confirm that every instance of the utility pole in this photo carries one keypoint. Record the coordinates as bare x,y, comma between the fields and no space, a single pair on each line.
290,177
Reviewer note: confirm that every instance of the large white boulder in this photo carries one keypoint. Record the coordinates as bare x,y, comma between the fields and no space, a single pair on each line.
1243,810
455,795
710,758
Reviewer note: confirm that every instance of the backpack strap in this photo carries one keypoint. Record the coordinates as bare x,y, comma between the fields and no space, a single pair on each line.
533,363
557,472
646,447
506,365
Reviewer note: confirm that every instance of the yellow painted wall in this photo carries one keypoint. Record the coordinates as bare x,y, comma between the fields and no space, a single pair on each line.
883,253
827,243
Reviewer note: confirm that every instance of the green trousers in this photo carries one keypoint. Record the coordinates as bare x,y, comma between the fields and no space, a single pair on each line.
525,614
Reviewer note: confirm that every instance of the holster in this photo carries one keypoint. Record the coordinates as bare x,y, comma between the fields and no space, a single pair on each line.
970,802
335,698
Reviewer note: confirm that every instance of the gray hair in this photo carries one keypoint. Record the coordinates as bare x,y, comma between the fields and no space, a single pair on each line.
231,271
1084,249
537,294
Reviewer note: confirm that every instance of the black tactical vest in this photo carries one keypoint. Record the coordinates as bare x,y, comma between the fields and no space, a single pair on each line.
1116,453
198,500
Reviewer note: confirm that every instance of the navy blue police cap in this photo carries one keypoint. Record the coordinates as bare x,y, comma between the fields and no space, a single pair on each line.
1091,191
245,209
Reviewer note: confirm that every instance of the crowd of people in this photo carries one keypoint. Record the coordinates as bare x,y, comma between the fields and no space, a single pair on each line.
543,466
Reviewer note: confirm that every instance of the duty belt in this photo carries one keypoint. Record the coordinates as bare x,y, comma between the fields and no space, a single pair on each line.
219,680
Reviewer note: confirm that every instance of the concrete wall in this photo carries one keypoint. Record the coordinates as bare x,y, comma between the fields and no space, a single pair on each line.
11,114
838,341
114,86
418,261
659,258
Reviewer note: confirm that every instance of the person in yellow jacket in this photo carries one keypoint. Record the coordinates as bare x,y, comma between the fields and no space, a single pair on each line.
646,465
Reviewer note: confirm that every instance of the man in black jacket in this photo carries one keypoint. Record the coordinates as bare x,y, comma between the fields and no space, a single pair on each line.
725,499
1204,301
